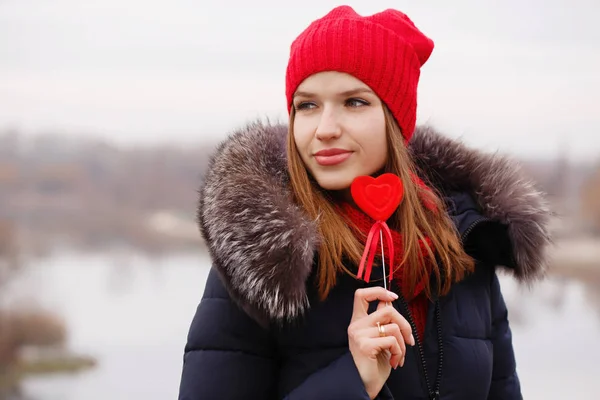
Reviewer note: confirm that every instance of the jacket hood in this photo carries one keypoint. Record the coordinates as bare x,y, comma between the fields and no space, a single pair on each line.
263,245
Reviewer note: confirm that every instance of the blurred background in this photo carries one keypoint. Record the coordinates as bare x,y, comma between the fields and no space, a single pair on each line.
109,110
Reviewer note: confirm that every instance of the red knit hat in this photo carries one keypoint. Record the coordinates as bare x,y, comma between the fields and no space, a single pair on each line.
384,50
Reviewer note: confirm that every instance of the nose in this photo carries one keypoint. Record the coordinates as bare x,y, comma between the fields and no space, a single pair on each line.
329,126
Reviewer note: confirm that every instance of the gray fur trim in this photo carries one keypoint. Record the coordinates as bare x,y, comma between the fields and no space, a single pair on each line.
261,243
264,246
499,187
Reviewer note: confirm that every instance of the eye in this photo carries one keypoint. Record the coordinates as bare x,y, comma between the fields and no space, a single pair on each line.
356,102
305,105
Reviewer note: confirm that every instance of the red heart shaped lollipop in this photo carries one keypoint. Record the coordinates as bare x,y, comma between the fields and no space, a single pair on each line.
378,197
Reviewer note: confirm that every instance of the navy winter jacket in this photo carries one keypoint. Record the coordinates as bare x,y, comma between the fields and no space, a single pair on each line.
261,333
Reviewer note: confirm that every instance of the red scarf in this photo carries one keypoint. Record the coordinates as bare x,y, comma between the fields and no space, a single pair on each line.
417,302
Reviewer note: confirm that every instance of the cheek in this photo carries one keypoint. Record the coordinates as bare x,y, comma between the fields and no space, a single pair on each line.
382,142
376,156
381,147
374,141
302,138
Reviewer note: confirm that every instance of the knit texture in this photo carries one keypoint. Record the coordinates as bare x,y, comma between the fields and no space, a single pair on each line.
417,301
385,51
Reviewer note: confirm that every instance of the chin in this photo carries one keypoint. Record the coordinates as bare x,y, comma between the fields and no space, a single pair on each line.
334,182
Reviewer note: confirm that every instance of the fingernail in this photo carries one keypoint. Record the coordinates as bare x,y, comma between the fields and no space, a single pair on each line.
393,295
402,363
412,339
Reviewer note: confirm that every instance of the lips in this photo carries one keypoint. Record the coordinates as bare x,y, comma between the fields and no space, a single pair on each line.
328,157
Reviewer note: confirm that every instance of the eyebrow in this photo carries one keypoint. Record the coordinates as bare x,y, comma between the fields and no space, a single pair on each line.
346,93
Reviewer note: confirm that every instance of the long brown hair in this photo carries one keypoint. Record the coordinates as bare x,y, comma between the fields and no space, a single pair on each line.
449,263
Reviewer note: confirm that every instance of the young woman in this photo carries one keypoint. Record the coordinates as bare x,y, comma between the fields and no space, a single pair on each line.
284,315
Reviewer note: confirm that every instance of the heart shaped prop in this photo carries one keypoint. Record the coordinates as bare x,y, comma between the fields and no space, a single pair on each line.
378,198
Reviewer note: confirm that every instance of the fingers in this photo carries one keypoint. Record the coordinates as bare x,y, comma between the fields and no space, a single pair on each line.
392,330
372,347
383,304
386,315
363,330
362,298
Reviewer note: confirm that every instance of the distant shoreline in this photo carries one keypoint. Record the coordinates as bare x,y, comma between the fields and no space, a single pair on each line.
576,257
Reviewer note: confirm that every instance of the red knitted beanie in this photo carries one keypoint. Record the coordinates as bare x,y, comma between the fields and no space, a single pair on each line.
384,50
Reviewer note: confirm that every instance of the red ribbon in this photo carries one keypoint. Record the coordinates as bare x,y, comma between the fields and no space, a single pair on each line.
371,249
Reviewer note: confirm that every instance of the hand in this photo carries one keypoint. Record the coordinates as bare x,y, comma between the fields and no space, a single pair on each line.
374,355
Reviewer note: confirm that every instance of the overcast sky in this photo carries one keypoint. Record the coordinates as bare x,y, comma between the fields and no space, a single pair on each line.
518,76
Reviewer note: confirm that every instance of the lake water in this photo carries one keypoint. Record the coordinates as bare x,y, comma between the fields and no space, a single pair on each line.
133,313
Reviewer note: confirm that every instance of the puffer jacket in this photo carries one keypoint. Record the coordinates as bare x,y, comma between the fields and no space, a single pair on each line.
260,332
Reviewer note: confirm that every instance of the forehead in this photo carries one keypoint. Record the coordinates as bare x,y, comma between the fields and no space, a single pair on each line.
330,81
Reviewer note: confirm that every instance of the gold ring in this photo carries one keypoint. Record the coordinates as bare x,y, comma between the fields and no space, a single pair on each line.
381,329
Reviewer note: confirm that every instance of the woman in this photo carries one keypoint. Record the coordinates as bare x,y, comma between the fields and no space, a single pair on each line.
283,313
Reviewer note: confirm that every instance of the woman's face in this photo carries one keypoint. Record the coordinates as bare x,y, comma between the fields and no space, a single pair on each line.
339,129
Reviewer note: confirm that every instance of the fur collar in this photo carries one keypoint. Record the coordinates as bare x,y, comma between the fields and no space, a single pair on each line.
264,246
